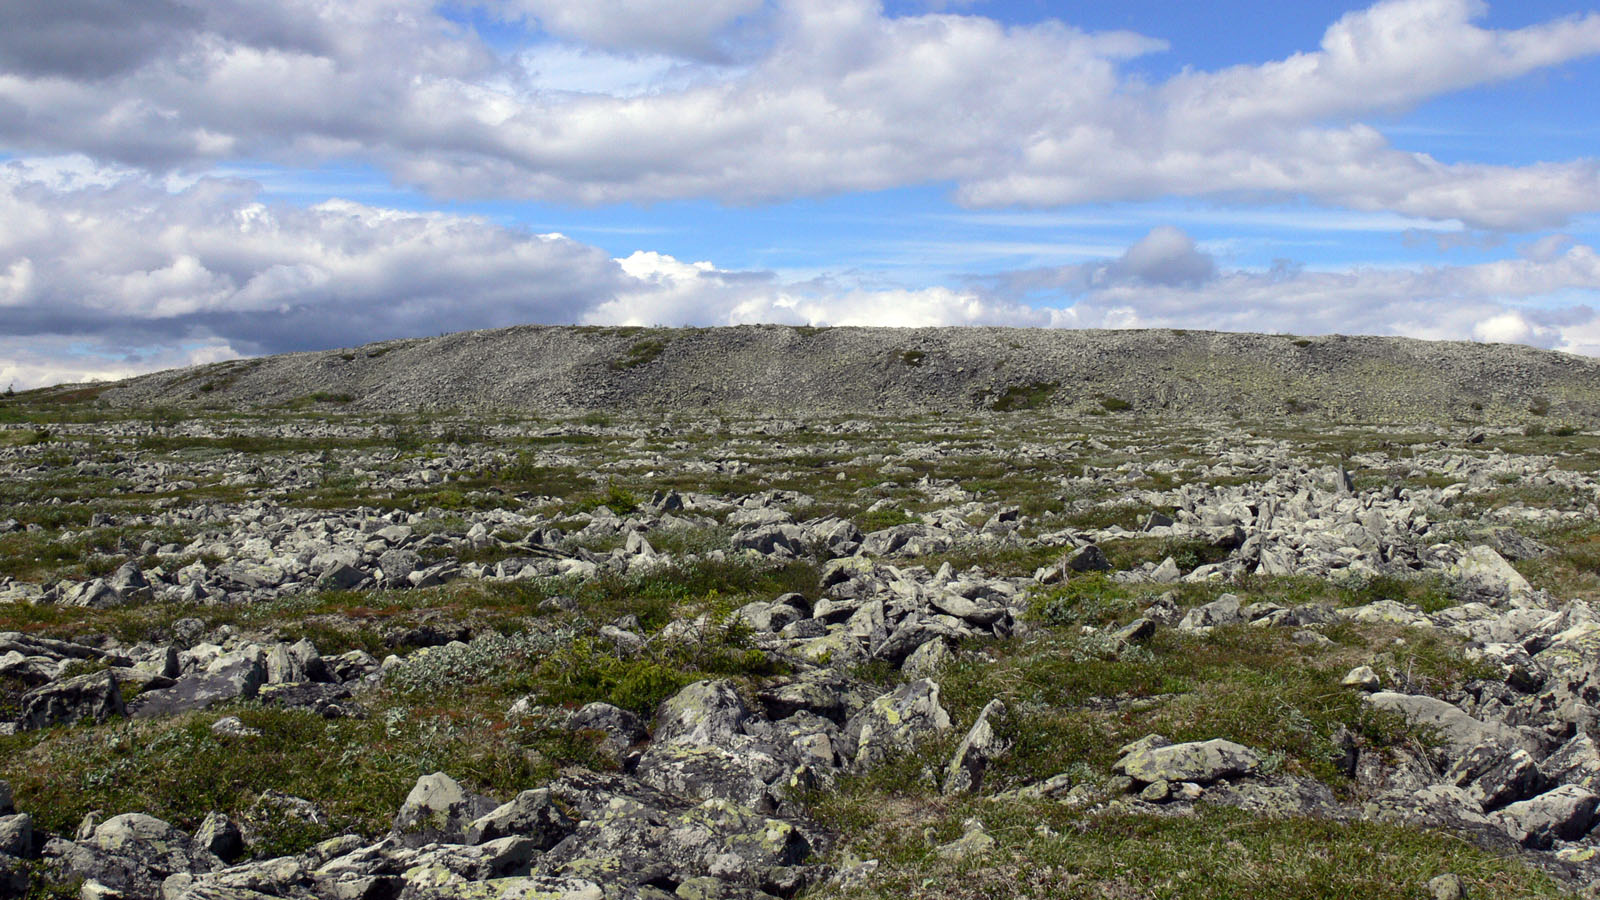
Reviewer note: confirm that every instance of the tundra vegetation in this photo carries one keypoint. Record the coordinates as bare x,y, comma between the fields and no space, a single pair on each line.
313,649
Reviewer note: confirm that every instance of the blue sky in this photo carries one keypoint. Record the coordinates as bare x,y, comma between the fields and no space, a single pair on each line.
185,182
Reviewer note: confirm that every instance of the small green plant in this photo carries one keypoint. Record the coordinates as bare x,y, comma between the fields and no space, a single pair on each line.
641,353
1025,396
1115,404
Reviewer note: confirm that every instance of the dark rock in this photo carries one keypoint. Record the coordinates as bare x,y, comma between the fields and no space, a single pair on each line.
1565,813
964,774
619,728
532,815
95,697
220,836
234,677
1089,558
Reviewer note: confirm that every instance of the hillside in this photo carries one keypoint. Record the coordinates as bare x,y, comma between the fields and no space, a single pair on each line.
804,371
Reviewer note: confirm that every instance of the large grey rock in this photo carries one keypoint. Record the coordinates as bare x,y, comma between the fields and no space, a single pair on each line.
734,845
235,676
220,836
532,815
704,713
1089,558
397,565
131,854
619,729
964,774
16,835
94,594
438,809
1495,777
1575,762
1222,611
895,722
709,772
1202,762
1565,813
1460,731
95,697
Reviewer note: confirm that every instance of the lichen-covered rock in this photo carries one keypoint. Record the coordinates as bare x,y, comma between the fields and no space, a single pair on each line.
895,722
707,713
1460,731
702,772
236,676
964,774
532,815
1495,777
1565,813
131,854
94,697
1201,762
733,843
438,810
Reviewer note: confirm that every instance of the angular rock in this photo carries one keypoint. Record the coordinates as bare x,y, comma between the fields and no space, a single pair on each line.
531,815
437,810
620,729
1201,762
964,774
95,697
1460,731
1495,777
895,722
704,713
1088,558
236,676
1222,611
1565,813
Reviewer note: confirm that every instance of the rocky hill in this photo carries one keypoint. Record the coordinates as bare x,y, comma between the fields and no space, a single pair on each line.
802,371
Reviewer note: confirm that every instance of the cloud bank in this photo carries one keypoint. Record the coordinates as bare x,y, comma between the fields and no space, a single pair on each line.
105,273
746,101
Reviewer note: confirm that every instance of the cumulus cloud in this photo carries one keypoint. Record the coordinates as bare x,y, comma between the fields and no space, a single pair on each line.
690,28
827,97
105,274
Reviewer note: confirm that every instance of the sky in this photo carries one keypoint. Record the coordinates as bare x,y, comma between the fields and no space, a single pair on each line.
185,181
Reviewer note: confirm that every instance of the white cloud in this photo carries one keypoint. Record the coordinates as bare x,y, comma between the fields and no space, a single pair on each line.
103,274
692,28
829,97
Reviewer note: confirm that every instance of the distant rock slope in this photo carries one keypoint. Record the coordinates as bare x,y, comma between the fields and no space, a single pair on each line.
798,370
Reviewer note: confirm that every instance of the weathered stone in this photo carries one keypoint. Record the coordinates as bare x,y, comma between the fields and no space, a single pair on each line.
1201,762
437,810
1089,558
1460,731
1362,677
1446,887
237,676
95,697
16,835
530,815
1565,813
1222,611
981,745
974,843
706,712
895,722
1495,777
619,728
220,836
